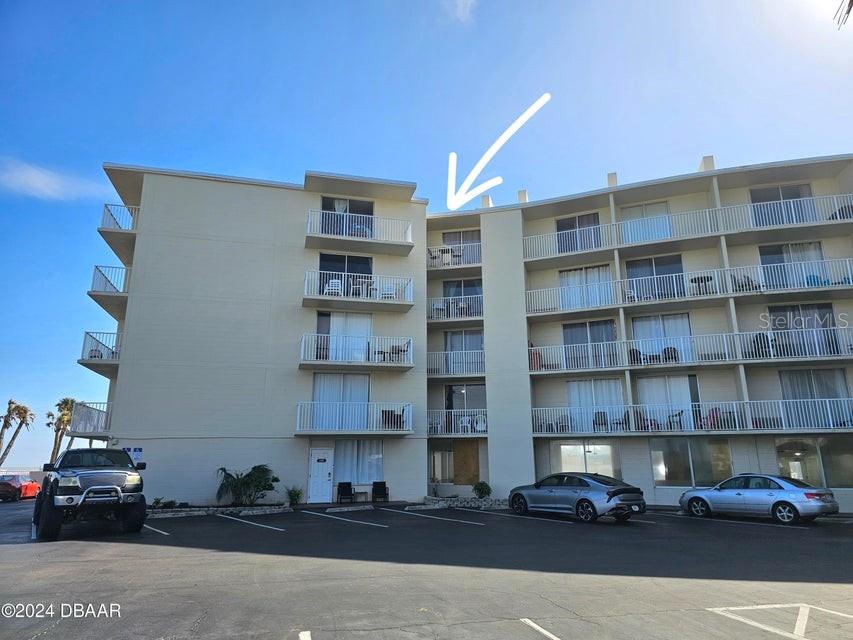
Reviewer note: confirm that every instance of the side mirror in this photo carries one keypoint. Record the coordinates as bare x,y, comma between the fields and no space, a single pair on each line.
140,466
537,484
717,488
47,466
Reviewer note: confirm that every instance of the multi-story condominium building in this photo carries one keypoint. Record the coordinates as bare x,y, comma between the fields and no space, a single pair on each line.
670,332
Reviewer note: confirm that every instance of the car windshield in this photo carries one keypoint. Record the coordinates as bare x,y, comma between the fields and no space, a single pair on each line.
607,481
797,483
89,458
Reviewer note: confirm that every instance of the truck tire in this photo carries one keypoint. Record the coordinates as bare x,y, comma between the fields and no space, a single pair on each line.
49,520
133,517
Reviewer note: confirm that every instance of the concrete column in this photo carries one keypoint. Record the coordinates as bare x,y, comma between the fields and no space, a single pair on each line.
715,193
505,340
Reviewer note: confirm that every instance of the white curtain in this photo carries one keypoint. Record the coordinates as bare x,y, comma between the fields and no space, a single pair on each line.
656,333
646,222
348,333
812,271
669,400
571,286
588,287
341,206
333,389
585,398
358,461
327,390
355,393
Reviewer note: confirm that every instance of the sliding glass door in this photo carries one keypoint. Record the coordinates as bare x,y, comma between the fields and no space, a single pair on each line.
578,233
664,338
793,265
585,288
590,344
780,205
810,397
340,401
657,278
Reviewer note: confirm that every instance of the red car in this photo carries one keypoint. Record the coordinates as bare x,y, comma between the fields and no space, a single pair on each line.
16,486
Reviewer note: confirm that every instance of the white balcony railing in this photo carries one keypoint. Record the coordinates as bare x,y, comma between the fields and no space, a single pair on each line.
796,343
457,255
368,349
90,418
701,222
714,347
791,276
369,417
691,417
442,363
455,308
101,346
568,357
361,286
691,284
587,296
118,216
110,279
358,226
457,422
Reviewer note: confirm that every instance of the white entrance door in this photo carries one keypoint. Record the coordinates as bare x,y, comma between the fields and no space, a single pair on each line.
320,475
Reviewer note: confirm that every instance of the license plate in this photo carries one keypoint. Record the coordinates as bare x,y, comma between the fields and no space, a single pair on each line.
635,508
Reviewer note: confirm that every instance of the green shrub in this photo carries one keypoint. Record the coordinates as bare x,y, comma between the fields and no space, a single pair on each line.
482,489
246,487
294,494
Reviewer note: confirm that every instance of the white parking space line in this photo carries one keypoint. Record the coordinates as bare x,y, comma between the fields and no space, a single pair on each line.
304,635
255,524
646,521
33,532
509,515
423,515
157,530
715,521
326,515
533,625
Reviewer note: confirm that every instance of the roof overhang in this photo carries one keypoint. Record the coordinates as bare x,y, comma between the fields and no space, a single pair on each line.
358,186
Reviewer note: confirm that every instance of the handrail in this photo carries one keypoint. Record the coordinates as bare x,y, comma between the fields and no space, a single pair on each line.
321,347
456,362
455,307
359,226
333,284
454,255
455,422
354,416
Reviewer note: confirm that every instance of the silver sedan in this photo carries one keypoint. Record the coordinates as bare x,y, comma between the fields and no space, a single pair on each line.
786,500
584,495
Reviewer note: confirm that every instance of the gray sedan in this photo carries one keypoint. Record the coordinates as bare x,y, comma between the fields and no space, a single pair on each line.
584,495
786,500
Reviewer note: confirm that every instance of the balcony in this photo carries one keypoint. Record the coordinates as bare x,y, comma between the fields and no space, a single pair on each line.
555,359
797,344
346,418
454,310
455,363
357,291
458,422
701,286
356,353
755,416
459,260
90,420
101,353
357,232
820,210
118,229
109,290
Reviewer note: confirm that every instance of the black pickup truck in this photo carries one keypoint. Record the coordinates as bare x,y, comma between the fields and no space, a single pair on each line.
86,484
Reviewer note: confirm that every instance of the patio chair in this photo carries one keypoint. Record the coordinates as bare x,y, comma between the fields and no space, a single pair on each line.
712,419
674,421
480,423
380,492
599,421
670,354
433,257
345,492
333,288
388,291
635,356
746,283
439,310
463,424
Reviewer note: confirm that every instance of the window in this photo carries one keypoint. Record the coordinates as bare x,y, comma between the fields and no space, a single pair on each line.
791,265
586,456
465,396
645,222
340,401
802,388
551,481
464,351
757,482
587,287
574,481
455,238
344,337
669,401
657,278
671,462
441,461
836,451
590,344
578,233
779,205
595,404
661,338
460,288
345,275
358,461
803,330
712,460
734,483
345,217
798,458
89,458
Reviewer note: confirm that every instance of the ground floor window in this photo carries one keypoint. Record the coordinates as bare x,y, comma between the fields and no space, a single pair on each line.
798,458
587,456
454,461
836,452
690,462
441,462
358,461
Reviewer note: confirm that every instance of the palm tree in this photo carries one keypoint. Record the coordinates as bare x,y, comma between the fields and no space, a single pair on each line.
24,417
60,422
844,10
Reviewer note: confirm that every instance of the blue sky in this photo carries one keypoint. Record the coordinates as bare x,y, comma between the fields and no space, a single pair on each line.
385,89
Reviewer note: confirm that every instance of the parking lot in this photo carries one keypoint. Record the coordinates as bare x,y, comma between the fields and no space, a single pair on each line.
447,573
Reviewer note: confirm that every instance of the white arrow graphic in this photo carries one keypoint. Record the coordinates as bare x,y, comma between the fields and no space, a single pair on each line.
456,199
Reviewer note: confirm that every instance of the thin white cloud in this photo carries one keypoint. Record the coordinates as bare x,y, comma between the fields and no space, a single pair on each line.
26,179
460,10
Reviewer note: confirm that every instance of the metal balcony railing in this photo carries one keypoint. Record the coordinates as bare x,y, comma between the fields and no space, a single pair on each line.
120,217
358,226
692,417
442,363
796,343
455,308
569,357
368,417
101,346
90,418
110,279
368,349
457,255
457,422
362,286
700,222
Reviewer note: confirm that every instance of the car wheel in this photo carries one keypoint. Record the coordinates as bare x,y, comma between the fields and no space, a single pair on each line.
37,509
785,513
50,520
518,504
17,496
698,507
133,518
585,511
